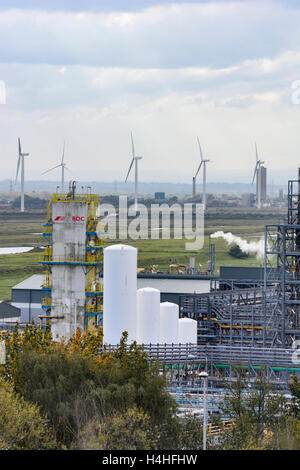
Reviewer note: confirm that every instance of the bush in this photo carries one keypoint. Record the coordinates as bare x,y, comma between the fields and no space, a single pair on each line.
75,386
21,425
236,252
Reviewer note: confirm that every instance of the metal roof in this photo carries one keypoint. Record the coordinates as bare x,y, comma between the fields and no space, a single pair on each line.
31,283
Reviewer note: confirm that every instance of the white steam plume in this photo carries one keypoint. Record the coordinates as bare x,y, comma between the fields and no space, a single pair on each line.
251,248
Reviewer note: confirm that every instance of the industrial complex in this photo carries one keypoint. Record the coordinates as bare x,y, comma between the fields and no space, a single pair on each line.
245,317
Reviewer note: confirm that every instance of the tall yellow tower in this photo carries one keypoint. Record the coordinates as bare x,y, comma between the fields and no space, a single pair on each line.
74,262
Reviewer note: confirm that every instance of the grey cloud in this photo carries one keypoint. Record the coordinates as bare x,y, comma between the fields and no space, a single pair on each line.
95,5
45,86
212,34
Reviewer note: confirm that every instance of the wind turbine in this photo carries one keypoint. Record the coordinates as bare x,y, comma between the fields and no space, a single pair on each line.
134,160
63,167
257,173
21,160
202,162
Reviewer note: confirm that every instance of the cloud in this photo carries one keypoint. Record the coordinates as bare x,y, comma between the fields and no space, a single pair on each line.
102,5
48,86
168,36
168,71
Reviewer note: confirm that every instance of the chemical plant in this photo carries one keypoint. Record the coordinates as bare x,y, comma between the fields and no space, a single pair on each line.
252,325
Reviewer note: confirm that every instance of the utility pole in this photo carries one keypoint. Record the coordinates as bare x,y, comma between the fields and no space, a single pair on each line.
204,376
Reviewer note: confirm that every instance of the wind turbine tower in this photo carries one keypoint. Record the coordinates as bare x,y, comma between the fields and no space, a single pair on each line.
202,162
260,175
134,160
21,161
63,167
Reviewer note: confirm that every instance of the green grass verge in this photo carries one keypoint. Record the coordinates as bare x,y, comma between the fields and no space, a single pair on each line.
23,231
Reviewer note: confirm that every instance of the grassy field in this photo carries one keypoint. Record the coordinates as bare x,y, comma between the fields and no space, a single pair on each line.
20,230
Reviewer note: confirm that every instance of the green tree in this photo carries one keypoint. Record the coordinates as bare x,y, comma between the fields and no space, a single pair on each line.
21,425
294,386
130,430
73,384
236,252
259,414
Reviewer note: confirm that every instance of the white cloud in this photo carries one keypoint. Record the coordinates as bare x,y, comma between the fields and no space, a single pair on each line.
179,35
222,70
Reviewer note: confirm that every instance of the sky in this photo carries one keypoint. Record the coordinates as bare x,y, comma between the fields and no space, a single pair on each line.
90,72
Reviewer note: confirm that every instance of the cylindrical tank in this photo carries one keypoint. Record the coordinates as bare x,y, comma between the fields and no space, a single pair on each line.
169,316
148,308
119,295
187,331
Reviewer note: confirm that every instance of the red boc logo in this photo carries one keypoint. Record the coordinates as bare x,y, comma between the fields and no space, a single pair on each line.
60,218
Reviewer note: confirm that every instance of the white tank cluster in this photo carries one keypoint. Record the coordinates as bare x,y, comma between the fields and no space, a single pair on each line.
119,294
148,315
169,320
139,312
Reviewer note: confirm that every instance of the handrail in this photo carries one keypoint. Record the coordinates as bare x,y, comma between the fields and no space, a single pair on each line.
88,259
227,355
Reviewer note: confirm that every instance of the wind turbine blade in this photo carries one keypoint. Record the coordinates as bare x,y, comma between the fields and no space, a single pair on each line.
129,169
198,169
18,167
132,146
200,149
256,152
63,155
57,166
19,143
255,171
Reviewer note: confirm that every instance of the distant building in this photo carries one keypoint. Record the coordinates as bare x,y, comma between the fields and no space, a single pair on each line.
248,199
160,196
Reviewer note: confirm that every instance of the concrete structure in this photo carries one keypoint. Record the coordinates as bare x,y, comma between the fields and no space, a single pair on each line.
68,280
73,260
263,183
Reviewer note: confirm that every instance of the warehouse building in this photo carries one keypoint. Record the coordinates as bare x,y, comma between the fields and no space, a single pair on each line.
9,313
27,298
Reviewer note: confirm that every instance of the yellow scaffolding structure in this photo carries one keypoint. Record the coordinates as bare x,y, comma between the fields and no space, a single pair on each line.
92,260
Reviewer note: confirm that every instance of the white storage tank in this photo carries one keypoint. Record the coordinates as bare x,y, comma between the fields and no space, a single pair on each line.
187,331
119,295
169,316
148,311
